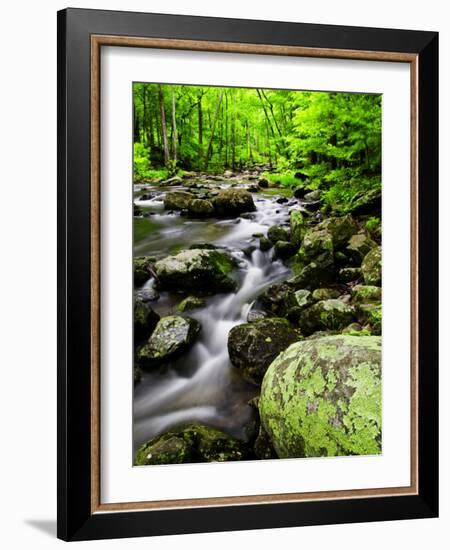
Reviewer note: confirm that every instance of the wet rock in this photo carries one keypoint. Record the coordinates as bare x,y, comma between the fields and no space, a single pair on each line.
371,267
176,180
325,294
201,208
326,315
191,302
275,298
172,336
277,233
228,174
178,200
147,294
341,229
313,275
317,246
366,203
264,244
322,397
263,183
255,315
137,210
142,269
298,227
145,320
282,200
359,246
203,246
349,274
284,249
196,270
232,202
194,443
313,196
301,191
253,346
366,294
354,329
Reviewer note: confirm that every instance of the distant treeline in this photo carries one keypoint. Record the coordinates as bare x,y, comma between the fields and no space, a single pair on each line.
329,136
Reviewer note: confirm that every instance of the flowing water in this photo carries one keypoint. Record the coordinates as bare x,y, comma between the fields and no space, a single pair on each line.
202,386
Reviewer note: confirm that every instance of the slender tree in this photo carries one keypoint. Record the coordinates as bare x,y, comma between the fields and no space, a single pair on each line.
213,127
163,126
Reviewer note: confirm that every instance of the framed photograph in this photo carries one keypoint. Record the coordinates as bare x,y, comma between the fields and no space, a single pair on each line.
247,274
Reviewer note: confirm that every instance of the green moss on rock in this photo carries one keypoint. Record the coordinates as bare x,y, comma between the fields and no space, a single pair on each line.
326,315
371,267
253,346
172,336
322,397
194,443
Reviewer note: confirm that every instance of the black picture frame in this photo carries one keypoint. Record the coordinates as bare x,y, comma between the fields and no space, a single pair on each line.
76,521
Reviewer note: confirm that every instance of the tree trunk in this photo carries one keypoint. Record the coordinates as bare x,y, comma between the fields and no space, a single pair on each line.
163,126
213,127
174,128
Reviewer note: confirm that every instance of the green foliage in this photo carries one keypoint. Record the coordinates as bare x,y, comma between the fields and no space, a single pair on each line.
333,139
373,224
286,179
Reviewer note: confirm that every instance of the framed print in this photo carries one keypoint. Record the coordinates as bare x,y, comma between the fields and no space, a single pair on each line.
247,274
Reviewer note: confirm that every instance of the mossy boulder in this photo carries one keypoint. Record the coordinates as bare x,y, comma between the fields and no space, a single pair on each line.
349,274
201,208
358,246
313,275
370,314
191,302
371,267
341,228
313,196
178,200
145,319
317,246
277,233
326,315
196,270
325,294
366,294
298,227
322,397
142,266
194,443
284,249
232,202
172,336
253,346
264,244
275,298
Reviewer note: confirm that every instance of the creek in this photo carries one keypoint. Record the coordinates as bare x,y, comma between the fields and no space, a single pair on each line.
202,386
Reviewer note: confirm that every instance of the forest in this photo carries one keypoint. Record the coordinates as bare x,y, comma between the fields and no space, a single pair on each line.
332,139
257,268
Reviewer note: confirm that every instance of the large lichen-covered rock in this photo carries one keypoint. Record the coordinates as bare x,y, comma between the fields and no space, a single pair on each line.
366,294
194,443
277,233
172,336
298,227
232,202
142,269
340,228
326,315
253,346
359,245
145,319
197,270
322,397
200,208
371,267
177,200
